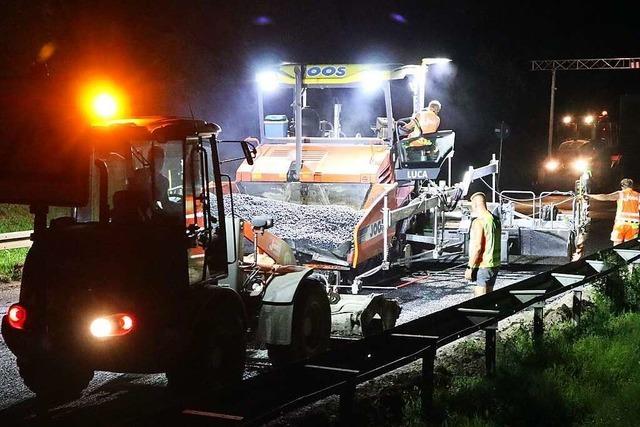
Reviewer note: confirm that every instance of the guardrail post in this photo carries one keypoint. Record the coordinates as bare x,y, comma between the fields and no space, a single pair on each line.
538,322
490,337
576,308
347,397
428,362
614,289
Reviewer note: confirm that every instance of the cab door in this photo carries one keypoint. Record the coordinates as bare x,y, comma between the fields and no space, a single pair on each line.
204,212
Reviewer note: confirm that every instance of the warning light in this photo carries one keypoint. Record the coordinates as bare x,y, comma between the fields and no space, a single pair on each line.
101,101
105,106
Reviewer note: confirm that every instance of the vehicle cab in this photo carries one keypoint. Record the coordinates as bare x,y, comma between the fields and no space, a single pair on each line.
126,280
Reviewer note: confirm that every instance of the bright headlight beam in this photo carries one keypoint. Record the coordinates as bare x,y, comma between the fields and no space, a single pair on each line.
580,165
552,165
112,325
101,328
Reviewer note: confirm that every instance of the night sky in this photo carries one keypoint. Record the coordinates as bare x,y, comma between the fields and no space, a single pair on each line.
173,55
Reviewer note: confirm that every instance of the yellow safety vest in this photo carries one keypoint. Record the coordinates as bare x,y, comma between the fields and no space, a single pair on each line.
491,229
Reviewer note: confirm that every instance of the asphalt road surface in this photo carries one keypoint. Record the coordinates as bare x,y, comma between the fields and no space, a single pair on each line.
421,293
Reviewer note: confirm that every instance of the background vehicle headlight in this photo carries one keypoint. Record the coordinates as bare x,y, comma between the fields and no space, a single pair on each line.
552,165
580,165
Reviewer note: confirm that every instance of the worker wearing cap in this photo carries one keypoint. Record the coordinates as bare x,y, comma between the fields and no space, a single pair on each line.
484,246
626,224
424,121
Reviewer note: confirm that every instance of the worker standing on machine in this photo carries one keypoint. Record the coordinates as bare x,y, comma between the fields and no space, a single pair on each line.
627,222
484,246
424,121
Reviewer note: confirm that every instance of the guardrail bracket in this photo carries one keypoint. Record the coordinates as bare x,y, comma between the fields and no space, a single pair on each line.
526,295
628,254
567,279
596,265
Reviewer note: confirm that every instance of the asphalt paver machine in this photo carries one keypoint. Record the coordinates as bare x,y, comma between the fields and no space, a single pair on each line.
354,202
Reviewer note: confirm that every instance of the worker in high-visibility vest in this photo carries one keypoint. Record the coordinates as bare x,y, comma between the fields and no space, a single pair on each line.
424,121
484,246
627,222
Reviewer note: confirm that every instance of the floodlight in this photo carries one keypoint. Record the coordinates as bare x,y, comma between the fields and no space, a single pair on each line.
372,80
267,80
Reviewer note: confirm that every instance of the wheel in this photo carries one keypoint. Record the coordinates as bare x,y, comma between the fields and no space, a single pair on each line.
54,381
311,326
215,359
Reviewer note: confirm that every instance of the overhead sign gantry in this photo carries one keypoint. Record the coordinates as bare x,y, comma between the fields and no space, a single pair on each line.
554,65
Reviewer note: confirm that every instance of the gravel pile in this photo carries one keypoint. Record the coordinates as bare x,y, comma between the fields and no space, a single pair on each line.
306,226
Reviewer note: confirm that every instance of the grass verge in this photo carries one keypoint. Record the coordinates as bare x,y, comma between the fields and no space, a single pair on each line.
11,262
582,375
13,218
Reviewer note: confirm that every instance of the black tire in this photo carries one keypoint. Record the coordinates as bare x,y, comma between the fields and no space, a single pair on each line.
54,381
216,358
311,326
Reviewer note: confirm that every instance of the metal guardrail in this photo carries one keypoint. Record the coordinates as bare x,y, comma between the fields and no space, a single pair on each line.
349,363
15,240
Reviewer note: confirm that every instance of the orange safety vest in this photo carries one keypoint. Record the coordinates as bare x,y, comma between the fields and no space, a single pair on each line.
426,122
628,206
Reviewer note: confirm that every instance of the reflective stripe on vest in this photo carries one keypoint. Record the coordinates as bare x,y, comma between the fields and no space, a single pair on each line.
491,229
628,206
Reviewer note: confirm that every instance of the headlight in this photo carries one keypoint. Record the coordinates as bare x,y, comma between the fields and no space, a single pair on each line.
552,165
111,326
580,165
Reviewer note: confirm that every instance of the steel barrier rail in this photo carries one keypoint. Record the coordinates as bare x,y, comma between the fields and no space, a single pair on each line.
15,240
352,362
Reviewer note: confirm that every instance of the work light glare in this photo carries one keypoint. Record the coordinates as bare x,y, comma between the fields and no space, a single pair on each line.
372,80
267,80
432,61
